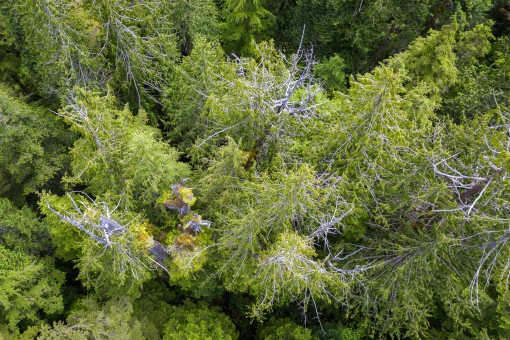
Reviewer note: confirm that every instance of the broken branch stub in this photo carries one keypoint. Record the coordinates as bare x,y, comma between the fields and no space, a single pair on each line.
159,251
182,200
110,226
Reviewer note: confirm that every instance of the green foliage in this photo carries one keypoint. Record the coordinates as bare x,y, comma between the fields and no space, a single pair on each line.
364,33
139,45
331,71
331,330
433,59
153,308
9,60
194,20
264,242
58,43
198,321
391,113
499,13
284,329
378,205
186,93
21,230
264,103
91,320
120,159
201,283
446,266
246,22
113,263
482,85
34,146
289,270
119,152
92,44
29,289
361,33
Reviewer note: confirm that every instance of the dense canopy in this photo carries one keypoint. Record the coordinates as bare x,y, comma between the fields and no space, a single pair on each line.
254,169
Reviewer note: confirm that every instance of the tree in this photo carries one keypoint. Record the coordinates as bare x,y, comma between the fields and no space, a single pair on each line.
90,319
125,168
186,94
483,82
21,230
375,226
194,20
267,223
365,33
34,146
118,153
263,103
331,71
30,285
266,184
246,22
198,321
29,290
110,246
416,223
153,308
93,44
284,329
59,45
10,61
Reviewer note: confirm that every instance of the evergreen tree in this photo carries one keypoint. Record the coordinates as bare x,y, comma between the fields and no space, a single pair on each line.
246,22
29,291
197,321
91,320
34,147
175,152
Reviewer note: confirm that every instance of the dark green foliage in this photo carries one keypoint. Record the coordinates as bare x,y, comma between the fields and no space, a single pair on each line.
284,329
9,59
154,308
331,71
200,284
332,330
364,33
245,23
194,20
21,230
500,13
29,290
483,84
34,146
198,321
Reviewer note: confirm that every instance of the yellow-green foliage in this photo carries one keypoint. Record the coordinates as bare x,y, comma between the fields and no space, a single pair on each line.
119,151
289,270
186,259
379,207
117,265
186,194
92,320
